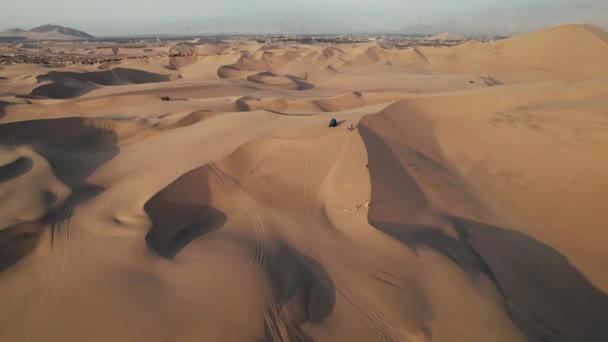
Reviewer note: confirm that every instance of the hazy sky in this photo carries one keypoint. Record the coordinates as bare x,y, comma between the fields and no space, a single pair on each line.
100,17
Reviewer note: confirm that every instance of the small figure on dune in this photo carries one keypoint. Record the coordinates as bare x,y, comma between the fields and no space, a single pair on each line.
357,206
367,204
351,127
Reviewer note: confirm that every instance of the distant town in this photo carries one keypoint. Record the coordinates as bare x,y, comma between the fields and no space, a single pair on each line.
100,51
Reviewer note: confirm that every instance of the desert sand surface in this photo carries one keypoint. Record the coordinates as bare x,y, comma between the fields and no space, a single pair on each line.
232,212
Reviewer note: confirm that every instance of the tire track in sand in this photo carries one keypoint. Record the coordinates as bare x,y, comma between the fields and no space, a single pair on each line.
258,259
308,176
60,247
274,320
373,317
237,195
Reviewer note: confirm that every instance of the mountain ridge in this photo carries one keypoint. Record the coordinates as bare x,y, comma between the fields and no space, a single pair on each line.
47,32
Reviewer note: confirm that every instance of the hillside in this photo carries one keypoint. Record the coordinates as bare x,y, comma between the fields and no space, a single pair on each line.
513,20
461,195
567,51
47,32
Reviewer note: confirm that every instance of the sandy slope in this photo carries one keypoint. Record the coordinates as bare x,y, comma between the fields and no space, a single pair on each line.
233,213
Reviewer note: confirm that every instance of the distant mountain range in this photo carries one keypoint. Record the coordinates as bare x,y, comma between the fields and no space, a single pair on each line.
272,24
512,21
448,36
47,32
506,21
497,22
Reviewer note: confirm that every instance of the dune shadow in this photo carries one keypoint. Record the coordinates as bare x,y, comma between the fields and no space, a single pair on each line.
417,236
190,119
242,105
543,293
546,296
302,290
181,212
396,196
16,242
15,169
74,149
3,105
225,71
62,90
68,84
300,84
175,225
263,77
299,289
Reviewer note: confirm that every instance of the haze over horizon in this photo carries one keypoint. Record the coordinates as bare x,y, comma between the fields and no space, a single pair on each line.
240,180
113,17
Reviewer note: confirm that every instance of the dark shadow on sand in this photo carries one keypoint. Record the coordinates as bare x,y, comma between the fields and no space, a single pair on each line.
74,148
17,242
544,294
175,225
3,105
67,84
299,290
15,169
181,213
303,292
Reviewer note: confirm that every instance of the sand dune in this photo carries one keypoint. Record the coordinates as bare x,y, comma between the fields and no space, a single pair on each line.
204,197
566,52
299,287
337,103
280,61
586,45
70,84
177,63
417,160
211,49
198,47
183,49
284,81
60,162
201,67
321,64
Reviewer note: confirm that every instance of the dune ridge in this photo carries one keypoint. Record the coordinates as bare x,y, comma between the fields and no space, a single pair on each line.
203,195
336,103
70,84
531,311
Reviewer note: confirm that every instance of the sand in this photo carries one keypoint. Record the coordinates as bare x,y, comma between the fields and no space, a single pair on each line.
466,205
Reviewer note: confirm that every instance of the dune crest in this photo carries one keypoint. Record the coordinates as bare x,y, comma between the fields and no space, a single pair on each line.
70,84
230,189
571,51
283,81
